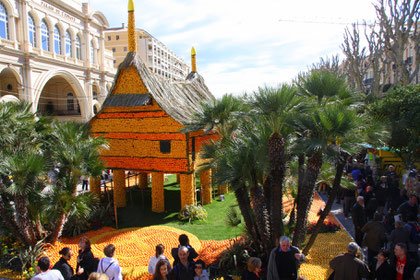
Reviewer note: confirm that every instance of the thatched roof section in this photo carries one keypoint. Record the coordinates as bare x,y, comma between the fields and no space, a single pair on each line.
180,100
127,100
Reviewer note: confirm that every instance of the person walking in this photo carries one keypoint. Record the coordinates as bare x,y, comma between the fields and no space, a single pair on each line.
375,236
381,268
402,265
284,261
359,219
347,266
109,265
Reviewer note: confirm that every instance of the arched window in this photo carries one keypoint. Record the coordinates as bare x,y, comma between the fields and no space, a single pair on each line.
78,45
4,22
92,52
69,52
70,102
32,30
57,40
45,36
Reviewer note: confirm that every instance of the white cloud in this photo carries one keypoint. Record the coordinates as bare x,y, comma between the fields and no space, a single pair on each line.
245,44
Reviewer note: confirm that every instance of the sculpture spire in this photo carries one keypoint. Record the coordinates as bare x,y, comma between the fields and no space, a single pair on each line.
193,61
131,28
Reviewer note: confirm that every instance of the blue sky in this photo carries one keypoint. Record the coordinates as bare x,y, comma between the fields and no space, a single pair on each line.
242,45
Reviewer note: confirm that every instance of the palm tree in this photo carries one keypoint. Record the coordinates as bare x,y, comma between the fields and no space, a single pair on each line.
275,108
21,166
75,153
317,129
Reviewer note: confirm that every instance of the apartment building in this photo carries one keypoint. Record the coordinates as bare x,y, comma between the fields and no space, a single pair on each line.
159,58
390,72
53,55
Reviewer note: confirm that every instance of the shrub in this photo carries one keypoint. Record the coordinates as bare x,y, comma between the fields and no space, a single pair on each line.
192,213
233,216
234,259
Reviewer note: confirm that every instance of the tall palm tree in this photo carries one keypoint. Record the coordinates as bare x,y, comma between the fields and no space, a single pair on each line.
275,108
75,153
331,96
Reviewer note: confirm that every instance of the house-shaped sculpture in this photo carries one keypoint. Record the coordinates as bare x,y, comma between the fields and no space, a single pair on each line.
142,117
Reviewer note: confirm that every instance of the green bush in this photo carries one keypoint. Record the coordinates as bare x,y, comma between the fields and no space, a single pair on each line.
233,216
192,213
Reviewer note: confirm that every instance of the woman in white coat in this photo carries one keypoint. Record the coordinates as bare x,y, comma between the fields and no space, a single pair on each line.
160,249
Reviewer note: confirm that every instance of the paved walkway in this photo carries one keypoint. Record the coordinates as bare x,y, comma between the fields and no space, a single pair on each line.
337,210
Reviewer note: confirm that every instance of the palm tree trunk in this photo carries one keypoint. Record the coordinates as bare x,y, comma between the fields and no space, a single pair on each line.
244,204
39,230
23,219
261,218
55,234
277,159
301,175
305,197
11,223
336,184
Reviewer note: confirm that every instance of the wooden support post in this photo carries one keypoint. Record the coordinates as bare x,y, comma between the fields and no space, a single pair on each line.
205,181
119,188
178,179
95,185
223,189
158,193
187,189
143,180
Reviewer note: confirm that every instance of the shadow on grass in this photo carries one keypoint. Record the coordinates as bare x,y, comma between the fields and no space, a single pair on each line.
138,212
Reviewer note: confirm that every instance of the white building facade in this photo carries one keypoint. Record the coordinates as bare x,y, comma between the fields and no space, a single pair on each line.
52,54
156,55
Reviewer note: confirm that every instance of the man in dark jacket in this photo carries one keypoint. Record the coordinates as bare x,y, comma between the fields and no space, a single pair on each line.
284,261
374,238
359,219
381,193
403,266
184,269
409,209
347,266
184,242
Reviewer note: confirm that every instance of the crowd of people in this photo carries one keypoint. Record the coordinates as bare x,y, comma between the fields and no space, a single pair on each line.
283,263
385,214
386,224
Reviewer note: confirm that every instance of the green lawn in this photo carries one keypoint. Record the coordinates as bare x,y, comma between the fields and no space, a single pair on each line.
138,213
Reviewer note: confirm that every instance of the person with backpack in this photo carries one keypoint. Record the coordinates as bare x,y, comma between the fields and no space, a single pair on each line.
86,262
109,265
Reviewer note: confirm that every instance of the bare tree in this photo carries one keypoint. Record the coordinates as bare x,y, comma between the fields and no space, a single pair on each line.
393,33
